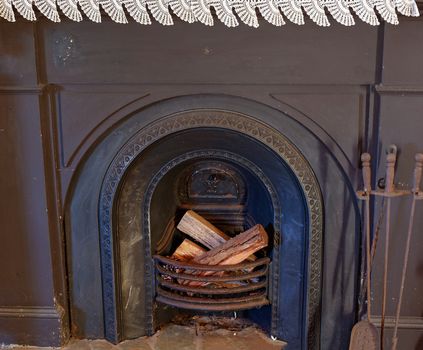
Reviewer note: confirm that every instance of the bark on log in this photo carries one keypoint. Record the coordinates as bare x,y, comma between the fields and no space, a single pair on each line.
237,249
203,231
233,251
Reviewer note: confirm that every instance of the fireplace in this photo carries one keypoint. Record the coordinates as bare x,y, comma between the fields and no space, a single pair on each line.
212,155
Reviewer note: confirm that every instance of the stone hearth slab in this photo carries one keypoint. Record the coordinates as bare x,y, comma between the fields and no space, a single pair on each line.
181,337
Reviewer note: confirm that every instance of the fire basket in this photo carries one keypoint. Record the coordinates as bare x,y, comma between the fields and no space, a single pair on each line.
212,287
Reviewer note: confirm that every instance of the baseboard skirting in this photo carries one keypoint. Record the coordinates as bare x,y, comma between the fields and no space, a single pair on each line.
29,312
404,322
34,325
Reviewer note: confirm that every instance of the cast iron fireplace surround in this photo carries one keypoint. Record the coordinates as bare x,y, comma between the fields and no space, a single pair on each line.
129,188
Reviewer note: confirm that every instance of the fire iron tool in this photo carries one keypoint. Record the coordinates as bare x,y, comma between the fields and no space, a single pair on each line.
364,335
417,195
389,189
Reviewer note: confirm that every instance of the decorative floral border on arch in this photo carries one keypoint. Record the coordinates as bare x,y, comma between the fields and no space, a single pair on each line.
229,12
218,119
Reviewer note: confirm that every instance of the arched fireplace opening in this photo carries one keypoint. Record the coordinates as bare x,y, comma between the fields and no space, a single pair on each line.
228,191
181,170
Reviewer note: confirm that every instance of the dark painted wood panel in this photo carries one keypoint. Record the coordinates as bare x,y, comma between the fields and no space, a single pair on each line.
81,112
403,59
24,250
186,59
85,112
408,338
329,111
193,53
401,123
36,327
17,54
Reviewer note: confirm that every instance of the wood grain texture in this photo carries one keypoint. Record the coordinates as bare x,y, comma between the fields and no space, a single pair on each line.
234,251
187,251
201,230
237,249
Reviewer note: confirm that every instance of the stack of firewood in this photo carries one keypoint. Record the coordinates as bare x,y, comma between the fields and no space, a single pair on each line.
214,247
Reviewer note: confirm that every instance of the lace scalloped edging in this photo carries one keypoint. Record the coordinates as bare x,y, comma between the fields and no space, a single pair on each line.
229,12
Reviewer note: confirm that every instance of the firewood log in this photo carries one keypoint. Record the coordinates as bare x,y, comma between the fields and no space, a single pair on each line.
201,230
233,251
187,251
237,249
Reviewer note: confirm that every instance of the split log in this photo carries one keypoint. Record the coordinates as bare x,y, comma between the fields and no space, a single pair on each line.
187,251
201,230
233,251
237,249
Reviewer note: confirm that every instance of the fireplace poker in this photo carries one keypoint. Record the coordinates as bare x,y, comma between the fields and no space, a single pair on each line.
416,196
365,158
389,192
364,334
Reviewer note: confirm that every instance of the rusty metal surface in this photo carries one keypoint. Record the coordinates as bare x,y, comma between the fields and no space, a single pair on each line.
188,265
259,295
214,307
227,278
247,289
212,291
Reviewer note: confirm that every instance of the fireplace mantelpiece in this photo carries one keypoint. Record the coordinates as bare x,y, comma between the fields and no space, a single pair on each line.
243,128
200,11
65,87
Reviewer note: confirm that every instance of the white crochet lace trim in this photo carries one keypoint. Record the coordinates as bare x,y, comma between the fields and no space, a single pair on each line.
230,12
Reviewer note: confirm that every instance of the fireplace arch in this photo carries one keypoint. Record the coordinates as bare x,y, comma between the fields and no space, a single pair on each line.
199,120
222,120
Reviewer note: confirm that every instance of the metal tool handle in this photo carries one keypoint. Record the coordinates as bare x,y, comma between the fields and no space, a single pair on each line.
417,172
390,172
389,188
365,161
416,184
